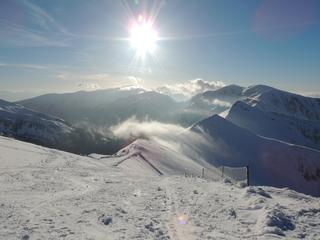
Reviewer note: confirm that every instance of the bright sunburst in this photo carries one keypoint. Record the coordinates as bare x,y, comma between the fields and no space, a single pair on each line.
143,37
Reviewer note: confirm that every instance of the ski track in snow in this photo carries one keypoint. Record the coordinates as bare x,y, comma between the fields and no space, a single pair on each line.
55,195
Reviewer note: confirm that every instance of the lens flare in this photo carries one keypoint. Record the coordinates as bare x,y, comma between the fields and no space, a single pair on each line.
182,219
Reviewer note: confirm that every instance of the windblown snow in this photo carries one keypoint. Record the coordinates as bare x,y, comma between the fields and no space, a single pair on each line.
49,194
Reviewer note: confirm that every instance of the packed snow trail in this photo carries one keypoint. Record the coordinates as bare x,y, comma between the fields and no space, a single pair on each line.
48,194
140,155
179,224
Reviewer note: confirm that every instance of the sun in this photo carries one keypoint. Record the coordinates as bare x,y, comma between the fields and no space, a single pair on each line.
143,37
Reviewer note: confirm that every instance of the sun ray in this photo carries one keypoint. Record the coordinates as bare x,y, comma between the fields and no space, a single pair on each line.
143,36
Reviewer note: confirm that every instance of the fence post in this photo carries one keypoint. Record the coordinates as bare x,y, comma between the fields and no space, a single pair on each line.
248,176
202,175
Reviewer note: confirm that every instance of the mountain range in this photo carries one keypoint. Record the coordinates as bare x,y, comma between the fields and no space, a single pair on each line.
266,111
24,124
112,106
274,132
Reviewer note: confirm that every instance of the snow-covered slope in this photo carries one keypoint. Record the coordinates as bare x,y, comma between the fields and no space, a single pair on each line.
271,162
264,97
216,142
275,125
20,122
158,157
277,114
274,100
49,194
216,101
24,124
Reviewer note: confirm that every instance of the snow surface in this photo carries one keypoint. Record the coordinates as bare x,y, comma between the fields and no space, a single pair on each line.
216,142
49,194
274,100
263,97
21,122
275,125
266,111
278,114
271,162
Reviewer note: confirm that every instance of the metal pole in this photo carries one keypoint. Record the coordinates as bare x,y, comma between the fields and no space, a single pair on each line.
248,176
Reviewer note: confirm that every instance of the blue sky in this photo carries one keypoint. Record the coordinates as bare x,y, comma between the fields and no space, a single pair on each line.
58,45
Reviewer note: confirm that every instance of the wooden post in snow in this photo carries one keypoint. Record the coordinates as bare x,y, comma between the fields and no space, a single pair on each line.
248,176
202,175
222,171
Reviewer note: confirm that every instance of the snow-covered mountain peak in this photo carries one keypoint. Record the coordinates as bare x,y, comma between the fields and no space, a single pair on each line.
275,125
231,89
254,90
4,103
227,91
8,106
23,123
9,109
216,126
278,101
274,162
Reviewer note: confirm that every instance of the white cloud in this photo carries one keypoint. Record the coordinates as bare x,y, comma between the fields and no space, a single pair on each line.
12,34
89,86
134,80
221,103
190,88
46,30
87,81
87,77
37,67
136,129
174,137
97,77
101,80
43,18
30,66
